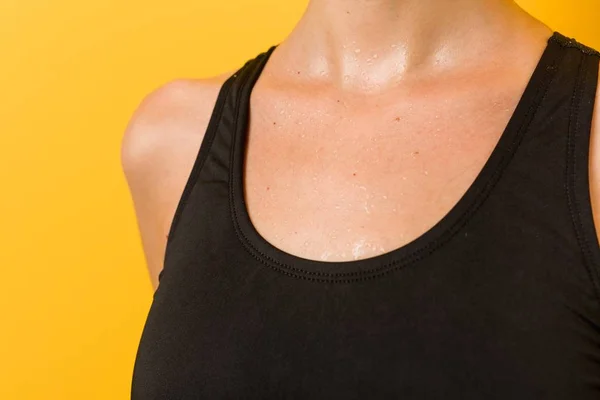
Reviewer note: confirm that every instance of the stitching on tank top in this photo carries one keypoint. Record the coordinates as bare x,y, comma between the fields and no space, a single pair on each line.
570,187
424,251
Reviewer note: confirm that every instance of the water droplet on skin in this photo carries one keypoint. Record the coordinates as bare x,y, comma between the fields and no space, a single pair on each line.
426,173
374,55
357,51
385,197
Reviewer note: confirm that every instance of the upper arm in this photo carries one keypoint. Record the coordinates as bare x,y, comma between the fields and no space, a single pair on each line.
158,150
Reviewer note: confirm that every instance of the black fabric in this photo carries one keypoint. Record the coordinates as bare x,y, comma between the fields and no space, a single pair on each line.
499,300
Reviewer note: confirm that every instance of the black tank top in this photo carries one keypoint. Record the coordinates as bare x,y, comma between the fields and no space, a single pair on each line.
498,300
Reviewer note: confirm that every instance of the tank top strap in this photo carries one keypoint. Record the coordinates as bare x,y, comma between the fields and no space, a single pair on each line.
547,182
578,157
235,97
212,162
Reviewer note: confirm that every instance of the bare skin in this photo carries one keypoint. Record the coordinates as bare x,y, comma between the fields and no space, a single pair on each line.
368,123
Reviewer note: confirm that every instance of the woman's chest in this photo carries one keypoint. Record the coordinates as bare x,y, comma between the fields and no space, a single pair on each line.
329,181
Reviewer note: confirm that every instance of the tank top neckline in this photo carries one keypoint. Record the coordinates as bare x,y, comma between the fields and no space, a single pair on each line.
421,246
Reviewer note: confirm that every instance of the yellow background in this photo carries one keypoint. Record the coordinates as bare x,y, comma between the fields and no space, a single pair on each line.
75,290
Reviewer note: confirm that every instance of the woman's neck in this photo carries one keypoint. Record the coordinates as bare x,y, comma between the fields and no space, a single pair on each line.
356,39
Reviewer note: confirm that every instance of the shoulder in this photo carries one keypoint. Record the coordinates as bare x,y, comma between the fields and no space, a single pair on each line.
176,110
158,150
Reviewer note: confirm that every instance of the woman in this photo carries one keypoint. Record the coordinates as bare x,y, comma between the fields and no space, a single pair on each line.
401,211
